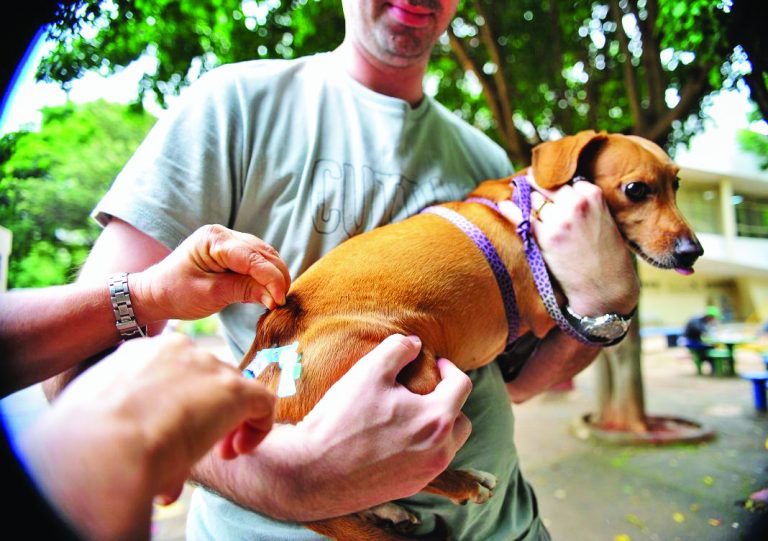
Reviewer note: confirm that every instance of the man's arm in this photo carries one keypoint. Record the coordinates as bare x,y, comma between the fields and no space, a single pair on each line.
211,269
368,440
585,252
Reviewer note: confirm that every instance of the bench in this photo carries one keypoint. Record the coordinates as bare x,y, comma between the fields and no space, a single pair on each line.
722,362
759,380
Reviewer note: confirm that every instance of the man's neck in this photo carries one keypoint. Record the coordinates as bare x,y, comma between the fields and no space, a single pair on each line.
404,82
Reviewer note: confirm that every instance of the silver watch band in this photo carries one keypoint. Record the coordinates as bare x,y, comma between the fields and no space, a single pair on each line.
125,319
606,330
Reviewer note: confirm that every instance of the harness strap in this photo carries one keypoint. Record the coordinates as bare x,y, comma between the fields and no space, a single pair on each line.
503,280
521,196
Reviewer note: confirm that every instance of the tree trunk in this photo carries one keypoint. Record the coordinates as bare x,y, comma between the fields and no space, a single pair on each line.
620,399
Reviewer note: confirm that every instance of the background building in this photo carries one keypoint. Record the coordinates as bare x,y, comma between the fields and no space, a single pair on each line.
724,195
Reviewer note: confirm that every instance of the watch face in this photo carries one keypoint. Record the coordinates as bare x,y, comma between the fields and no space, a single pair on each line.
600,330
609,326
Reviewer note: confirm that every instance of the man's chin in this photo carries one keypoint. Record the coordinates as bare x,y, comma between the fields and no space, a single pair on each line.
407,47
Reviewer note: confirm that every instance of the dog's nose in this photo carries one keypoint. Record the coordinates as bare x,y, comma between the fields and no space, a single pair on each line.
687,251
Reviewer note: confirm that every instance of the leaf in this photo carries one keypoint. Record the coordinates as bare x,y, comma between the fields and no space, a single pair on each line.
635,521
50,181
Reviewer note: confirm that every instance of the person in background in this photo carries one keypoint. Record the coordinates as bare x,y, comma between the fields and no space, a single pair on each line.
698,327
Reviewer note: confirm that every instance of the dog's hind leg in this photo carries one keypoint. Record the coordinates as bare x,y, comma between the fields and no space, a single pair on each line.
462,486
358,527
354,528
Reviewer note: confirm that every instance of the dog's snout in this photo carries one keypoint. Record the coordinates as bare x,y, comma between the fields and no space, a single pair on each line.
687,251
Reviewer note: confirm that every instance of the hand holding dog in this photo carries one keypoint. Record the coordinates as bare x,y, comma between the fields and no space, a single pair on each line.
213,268
367,441
134,425
582,247
393,441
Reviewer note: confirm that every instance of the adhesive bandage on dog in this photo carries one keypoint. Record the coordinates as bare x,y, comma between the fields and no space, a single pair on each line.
288,361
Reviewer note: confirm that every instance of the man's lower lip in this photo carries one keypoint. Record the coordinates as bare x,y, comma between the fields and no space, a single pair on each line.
408,18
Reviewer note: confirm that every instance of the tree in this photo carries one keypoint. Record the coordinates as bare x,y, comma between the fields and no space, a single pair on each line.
754,142
523,71
50,181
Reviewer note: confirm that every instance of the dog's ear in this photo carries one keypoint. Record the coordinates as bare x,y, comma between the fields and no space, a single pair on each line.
554,163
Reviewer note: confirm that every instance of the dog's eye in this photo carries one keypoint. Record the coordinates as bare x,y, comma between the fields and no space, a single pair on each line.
636,191
676,184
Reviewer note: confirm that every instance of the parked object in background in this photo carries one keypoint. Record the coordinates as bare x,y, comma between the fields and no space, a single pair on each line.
759,381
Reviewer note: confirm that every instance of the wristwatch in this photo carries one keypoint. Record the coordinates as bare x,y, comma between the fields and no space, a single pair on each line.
605,330
120,296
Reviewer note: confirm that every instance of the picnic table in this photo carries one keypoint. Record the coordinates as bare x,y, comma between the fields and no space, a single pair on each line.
721,352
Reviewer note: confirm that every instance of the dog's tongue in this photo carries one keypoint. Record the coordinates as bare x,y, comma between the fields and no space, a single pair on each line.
684,271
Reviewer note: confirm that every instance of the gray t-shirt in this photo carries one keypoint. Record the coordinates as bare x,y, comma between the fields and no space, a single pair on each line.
302,156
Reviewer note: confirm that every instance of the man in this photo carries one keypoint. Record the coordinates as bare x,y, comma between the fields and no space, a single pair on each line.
699,326
304,154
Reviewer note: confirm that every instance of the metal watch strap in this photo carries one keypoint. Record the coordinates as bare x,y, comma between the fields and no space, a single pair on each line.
125,319
584,325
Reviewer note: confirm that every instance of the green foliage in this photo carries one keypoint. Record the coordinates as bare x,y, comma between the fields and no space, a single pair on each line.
185,36
522,71
52,179
208,326
756,143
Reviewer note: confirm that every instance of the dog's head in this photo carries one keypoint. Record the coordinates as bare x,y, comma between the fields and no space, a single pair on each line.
639,183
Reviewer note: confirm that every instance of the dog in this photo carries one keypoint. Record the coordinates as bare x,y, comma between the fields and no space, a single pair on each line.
411,278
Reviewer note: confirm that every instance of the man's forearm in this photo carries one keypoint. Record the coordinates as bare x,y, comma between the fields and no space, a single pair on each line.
44,332
283,479
557,358
265,481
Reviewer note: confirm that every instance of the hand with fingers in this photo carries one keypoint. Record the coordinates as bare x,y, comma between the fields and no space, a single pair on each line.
373,440
134,425
582,247
212,268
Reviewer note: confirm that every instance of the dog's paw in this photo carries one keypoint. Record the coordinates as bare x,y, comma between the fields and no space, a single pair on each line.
485,483
393,515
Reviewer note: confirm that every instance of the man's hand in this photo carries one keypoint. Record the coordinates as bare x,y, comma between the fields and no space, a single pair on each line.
585,252
367,441
134,425
213,268
369,430
583,248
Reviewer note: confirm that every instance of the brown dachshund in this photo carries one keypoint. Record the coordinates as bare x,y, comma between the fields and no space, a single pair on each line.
411,278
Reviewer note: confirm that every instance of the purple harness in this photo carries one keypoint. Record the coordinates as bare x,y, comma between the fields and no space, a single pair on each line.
521,196
503,279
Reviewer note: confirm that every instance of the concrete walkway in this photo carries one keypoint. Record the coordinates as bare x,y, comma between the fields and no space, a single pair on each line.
591,491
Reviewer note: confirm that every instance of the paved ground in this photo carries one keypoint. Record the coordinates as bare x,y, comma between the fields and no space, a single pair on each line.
590,491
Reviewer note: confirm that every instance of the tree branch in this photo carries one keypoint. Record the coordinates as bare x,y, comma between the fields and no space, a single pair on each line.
557,67
469,65
630,80
696,87
655,77
513,136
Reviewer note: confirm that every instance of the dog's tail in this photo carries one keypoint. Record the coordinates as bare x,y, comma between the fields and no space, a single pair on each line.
276,328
